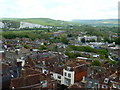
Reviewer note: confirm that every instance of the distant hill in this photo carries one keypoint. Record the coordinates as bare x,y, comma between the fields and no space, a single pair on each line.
100,22
52,22
42,21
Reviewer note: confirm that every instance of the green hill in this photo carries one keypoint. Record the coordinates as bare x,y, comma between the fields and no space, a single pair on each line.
52,22
100,22
42,21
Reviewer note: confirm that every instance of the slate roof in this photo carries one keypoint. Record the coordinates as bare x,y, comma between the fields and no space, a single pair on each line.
91,83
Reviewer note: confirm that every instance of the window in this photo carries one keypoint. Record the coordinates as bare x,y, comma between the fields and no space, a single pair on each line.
67,81
65,74
106,80
59,81
59,77
69,75
51,75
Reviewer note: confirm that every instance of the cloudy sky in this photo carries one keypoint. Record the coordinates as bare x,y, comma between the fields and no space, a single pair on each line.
59,9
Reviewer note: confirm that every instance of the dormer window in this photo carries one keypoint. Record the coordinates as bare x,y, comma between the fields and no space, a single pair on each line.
44,83
12,76
118,86
114,86
22,58
51,75
68,68
43,62
13,87
38,61
90,82
92,72
114,77
104,86
106,80
45,72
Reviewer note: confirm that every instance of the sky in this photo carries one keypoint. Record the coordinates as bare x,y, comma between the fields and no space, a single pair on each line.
59,9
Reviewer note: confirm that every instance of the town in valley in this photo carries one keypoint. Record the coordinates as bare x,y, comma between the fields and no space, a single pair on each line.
61,56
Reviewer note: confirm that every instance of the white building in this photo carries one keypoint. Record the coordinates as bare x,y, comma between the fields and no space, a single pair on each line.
1,24
87,38
29,25
67,75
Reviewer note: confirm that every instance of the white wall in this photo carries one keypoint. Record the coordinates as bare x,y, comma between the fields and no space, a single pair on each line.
20,60
55,76
72,75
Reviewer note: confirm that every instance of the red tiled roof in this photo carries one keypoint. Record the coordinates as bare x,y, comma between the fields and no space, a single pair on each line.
27,81
74,86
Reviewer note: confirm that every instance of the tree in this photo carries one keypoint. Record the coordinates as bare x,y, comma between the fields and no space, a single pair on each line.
92,40
72,55
103,52
43,47
26,46
113,62
64,40
96,63
69,35
11,24
83,40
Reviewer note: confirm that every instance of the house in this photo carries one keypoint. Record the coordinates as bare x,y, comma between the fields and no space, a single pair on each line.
33,79
92,80
102,78
55,65
69,74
